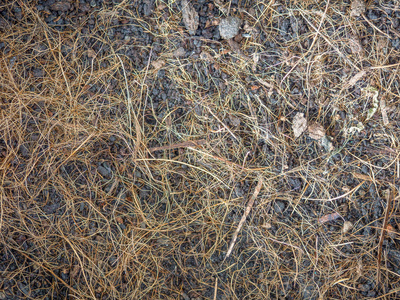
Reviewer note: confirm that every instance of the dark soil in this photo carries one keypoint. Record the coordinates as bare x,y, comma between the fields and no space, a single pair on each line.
129,150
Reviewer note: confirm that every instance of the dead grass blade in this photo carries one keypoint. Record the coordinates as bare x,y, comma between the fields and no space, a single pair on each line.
389,196
243,219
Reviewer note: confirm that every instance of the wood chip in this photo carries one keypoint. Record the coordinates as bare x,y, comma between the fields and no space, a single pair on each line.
316,131
256,59
190,17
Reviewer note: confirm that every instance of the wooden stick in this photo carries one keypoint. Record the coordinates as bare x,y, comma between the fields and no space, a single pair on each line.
243,219
215,288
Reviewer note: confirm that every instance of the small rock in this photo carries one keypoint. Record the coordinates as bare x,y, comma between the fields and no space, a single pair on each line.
326,143
148,7
105,172
229,27
316,131
279,206
180,52
38,72
185,296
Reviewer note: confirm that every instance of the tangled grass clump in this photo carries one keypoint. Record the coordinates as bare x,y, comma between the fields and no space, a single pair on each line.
124,179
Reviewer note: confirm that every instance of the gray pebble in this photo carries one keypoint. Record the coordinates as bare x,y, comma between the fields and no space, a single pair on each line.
279,207
229,27
185,296
105,172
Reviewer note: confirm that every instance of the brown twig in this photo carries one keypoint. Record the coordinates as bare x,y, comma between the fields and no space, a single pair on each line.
389,197
243,219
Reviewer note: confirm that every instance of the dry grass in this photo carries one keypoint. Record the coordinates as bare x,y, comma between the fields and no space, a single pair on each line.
107,192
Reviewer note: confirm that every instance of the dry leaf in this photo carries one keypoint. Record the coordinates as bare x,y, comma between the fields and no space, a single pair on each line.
391,231
161,6
212,22
328,218
357,8
382,45
316,131
75,271
347,226
158,64
267,225
204,55
190,17
356,78
355,45
299,124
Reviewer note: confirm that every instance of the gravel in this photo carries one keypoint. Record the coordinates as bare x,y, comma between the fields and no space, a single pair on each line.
229,27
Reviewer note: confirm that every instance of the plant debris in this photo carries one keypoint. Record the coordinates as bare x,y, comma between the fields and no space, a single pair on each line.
190,17
316,131
353,80
329,218
299,124
347,226
158,64
372,92
136,138
358,7
243,219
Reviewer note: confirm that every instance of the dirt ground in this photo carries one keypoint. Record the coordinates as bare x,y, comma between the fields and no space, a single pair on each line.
168,149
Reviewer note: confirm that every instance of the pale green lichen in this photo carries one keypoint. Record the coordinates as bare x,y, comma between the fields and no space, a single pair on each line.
355,129
375,101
